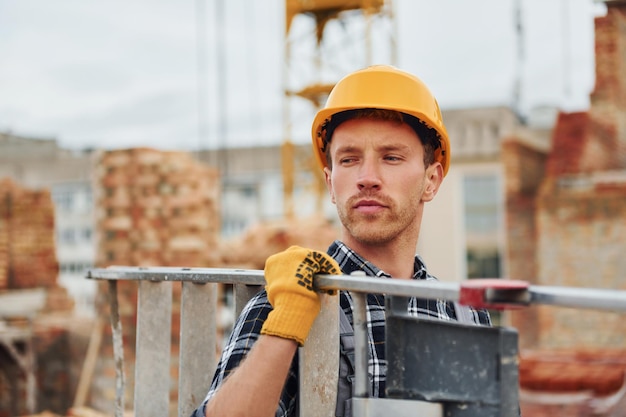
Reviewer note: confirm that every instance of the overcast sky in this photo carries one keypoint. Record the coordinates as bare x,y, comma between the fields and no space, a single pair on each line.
134,73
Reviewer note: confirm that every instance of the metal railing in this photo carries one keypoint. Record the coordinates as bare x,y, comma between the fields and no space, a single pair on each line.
318,358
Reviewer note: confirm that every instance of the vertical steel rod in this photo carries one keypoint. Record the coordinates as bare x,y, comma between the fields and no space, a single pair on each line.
361,380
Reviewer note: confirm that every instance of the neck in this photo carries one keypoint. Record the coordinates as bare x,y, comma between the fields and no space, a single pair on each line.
395,258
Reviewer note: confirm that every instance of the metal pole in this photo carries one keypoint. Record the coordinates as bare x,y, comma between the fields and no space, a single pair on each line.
576,297
361,381
588,298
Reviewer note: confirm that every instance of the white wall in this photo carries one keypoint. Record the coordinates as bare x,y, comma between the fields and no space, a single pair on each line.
442,239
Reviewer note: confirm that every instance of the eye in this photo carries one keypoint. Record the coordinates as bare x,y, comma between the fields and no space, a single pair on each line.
393,158
347,160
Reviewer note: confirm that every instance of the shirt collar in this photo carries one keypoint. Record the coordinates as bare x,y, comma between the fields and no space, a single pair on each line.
349,261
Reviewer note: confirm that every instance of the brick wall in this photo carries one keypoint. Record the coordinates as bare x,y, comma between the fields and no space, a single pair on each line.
610,54
154,208
566,224
523,172
608,100
570,138
581,204
581,244
566,230
566,221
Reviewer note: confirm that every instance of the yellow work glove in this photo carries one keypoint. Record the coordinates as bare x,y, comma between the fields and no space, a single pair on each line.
289,286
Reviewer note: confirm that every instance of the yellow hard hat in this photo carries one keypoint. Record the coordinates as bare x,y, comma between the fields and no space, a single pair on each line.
383,87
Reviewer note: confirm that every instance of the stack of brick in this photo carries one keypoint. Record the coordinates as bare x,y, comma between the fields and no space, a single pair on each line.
156,208
27,247
264,239
153,208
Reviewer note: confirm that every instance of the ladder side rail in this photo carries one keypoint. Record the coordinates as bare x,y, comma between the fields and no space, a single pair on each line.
153,342
118,349
242,293
576,297
384,407
319,362
198,343
586,298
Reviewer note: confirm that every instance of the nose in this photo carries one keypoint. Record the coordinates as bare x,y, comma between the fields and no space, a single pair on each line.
369,175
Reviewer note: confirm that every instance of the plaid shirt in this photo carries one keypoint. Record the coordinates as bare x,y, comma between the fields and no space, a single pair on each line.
248,328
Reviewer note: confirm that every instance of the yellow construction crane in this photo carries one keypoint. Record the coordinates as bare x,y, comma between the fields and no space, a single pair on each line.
315,91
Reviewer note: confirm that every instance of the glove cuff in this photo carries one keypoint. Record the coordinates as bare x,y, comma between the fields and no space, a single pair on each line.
294,321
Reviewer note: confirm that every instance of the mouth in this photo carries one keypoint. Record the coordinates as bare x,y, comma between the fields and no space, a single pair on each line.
369,206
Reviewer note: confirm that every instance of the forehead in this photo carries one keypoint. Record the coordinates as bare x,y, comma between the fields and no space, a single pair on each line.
356,132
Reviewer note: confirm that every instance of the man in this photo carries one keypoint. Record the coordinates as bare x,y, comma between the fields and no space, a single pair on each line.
384,150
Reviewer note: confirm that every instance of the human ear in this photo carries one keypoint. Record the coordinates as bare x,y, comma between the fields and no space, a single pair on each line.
432,182
329,183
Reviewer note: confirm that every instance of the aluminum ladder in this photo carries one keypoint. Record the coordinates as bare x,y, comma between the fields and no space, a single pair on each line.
319,359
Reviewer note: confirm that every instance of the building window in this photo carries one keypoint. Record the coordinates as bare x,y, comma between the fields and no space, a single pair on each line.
63,199
483,207
67,236
72,198
74,267
483,263
240,208
86,234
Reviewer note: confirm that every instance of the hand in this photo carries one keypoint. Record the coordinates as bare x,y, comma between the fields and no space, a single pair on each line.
289,286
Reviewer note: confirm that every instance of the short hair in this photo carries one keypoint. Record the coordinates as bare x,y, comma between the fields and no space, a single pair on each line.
429,137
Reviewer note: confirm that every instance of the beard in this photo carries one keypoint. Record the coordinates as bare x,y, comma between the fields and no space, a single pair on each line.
381,227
